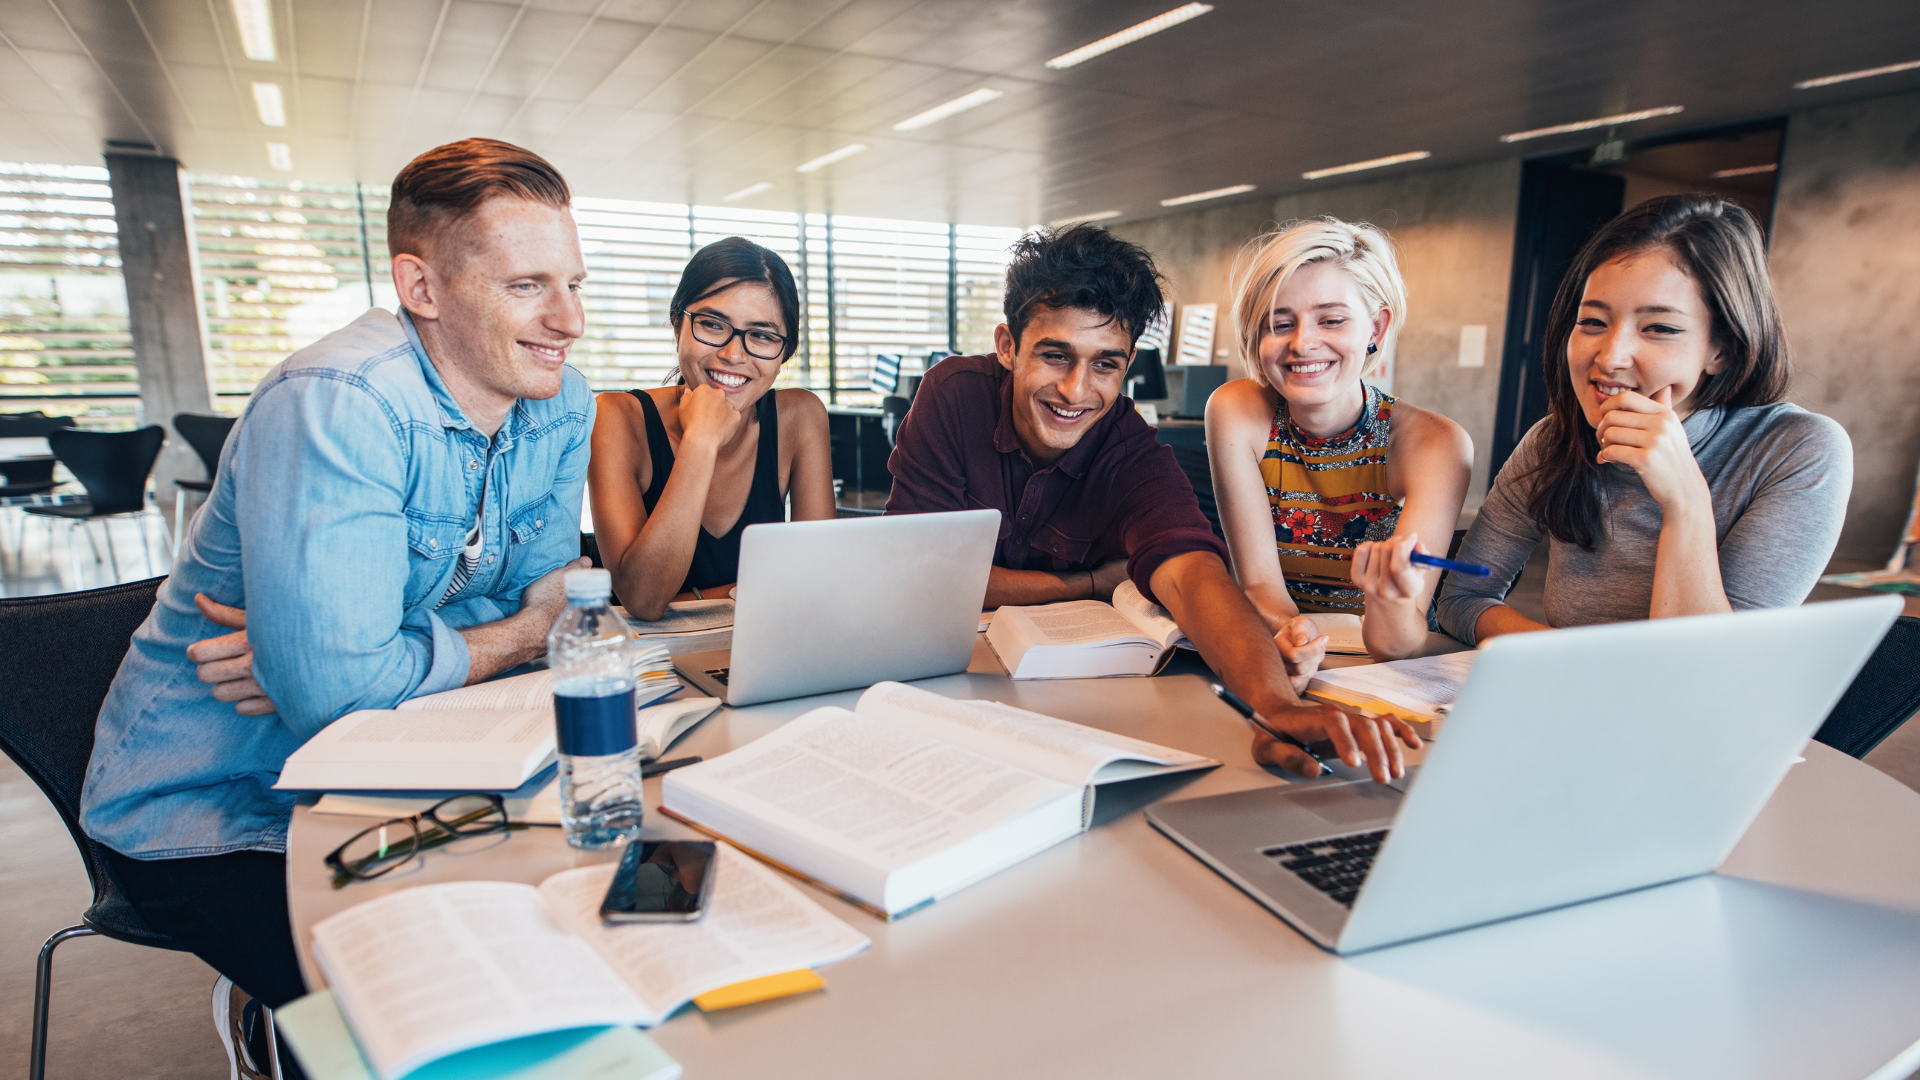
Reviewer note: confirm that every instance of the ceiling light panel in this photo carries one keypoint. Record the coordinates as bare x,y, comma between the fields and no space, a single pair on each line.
748,192
1203,196
835,157
256,29
1163,21
1370,163
1596,122
280,156
1082,219
1864,73
952,108
1749,170
270,104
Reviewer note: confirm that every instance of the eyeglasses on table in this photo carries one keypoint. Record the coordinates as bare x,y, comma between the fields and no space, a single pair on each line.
386,847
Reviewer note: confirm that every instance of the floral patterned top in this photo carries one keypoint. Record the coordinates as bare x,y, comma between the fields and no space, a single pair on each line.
1328,495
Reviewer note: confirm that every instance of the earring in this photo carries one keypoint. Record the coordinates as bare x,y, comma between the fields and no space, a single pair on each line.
1372,348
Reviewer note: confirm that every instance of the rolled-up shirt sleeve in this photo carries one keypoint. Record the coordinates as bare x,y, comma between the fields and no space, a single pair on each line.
321,472
1501,538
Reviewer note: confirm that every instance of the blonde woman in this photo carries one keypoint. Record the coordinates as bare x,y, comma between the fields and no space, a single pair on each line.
1327,485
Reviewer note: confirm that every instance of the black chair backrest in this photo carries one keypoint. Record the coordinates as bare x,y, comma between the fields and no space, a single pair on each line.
58,656
1882,697
1193,461
206,434
111,465
33,425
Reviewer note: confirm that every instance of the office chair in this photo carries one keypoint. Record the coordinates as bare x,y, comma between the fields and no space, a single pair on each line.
1881,697
46,727
207,435
25,478
113,466
1198,467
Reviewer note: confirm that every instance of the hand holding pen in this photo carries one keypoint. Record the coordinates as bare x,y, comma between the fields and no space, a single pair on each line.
1360,740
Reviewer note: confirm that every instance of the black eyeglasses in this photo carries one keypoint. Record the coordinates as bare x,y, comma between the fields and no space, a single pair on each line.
760,343
389,845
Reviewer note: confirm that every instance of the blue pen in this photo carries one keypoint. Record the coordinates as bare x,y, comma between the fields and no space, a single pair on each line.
1448,564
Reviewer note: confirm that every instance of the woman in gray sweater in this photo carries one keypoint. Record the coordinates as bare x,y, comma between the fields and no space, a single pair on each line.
1668,473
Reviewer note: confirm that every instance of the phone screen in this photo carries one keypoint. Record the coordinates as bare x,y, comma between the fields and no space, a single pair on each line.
660,881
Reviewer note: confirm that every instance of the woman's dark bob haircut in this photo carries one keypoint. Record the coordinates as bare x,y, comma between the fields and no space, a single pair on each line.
737,260
1719,245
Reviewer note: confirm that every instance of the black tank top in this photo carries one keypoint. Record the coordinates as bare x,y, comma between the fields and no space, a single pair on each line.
716,559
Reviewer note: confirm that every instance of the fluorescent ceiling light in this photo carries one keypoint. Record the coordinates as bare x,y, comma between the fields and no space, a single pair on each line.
825,160
1130,35
279,156
1082,219
1203,196
957,105
1596,122
1370,163
748,192
1866,73
1750,170
256,29
272,107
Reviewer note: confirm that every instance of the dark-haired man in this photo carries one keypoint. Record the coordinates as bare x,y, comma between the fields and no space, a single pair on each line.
1041,432
392,513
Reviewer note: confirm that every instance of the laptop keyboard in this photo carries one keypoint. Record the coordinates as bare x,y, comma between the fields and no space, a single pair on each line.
1336,866
718,675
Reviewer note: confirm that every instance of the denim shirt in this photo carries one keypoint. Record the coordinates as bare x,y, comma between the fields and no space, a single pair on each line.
342,503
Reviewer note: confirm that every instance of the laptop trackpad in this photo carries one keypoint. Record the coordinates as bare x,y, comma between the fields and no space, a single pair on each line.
1349,806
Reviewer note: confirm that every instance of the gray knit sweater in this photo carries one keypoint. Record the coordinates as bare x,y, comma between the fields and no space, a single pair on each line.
1779,476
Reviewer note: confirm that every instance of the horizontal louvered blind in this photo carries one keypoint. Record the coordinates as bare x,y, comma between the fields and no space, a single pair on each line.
64,345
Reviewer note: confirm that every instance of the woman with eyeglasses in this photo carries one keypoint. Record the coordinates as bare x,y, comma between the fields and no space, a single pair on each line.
678,473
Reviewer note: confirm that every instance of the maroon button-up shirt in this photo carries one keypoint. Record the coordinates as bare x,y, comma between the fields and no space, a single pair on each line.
1117,494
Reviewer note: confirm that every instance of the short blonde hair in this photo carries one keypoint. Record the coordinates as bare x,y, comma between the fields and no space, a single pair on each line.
1267,261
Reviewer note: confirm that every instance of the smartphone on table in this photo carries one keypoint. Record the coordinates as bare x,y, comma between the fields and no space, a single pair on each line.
660,881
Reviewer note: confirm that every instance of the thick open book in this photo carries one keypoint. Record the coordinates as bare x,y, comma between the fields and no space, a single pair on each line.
688,626
911,796
491,736
1085,639
430,971
1422,689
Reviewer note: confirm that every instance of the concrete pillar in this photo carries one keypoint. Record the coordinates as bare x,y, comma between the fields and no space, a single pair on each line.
164,311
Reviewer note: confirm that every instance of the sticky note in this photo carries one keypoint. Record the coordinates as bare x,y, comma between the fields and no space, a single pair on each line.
762,989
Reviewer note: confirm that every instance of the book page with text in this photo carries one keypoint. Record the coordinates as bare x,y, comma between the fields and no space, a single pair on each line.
1148,617
428,971
534,690
1059,749
756,924
1077,623
1428,684
866,789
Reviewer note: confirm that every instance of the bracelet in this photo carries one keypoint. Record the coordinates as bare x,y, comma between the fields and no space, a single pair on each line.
1090,586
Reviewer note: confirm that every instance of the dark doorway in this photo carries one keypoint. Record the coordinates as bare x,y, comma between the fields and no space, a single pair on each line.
1561,205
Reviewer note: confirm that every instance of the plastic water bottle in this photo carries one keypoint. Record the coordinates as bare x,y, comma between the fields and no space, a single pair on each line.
587,651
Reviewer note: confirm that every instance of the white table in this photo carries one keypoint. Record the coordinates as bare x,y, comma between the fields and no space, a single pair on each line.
1118,955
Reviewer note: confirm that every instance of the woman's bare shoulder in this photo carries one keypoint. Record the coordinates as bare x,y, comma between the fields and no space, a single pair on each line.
800,405
1241,403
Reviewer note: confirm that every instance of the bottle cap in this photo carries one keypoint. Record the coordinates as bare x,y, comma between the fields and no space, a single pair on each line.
589,584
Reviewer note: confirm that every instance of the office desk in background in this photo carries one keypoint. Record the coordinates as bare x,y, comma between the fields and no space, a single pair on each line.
32,448
1116,954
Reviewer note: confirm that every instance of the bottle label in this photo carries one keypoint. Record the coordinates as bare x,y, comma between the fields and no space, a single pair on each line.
595,726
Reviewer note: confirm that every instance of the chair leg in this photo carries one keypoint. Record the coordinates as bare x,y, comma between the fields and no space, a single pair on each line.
74,551
172,538
146,545
43,994
179,511
106,527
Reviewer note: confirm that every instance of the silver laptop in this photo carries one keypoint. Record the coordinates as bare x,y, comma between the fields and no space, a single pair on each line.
832,605
1576,764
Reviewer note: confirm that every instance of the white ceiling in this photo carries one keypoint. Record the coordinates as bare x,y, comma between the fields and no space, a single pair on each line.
689,100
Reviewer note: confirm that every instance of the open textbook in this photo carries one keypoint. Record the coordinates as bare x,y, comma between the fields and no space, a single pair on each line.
430,971
911,796
688,626
1422,689
491,736
1085,639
